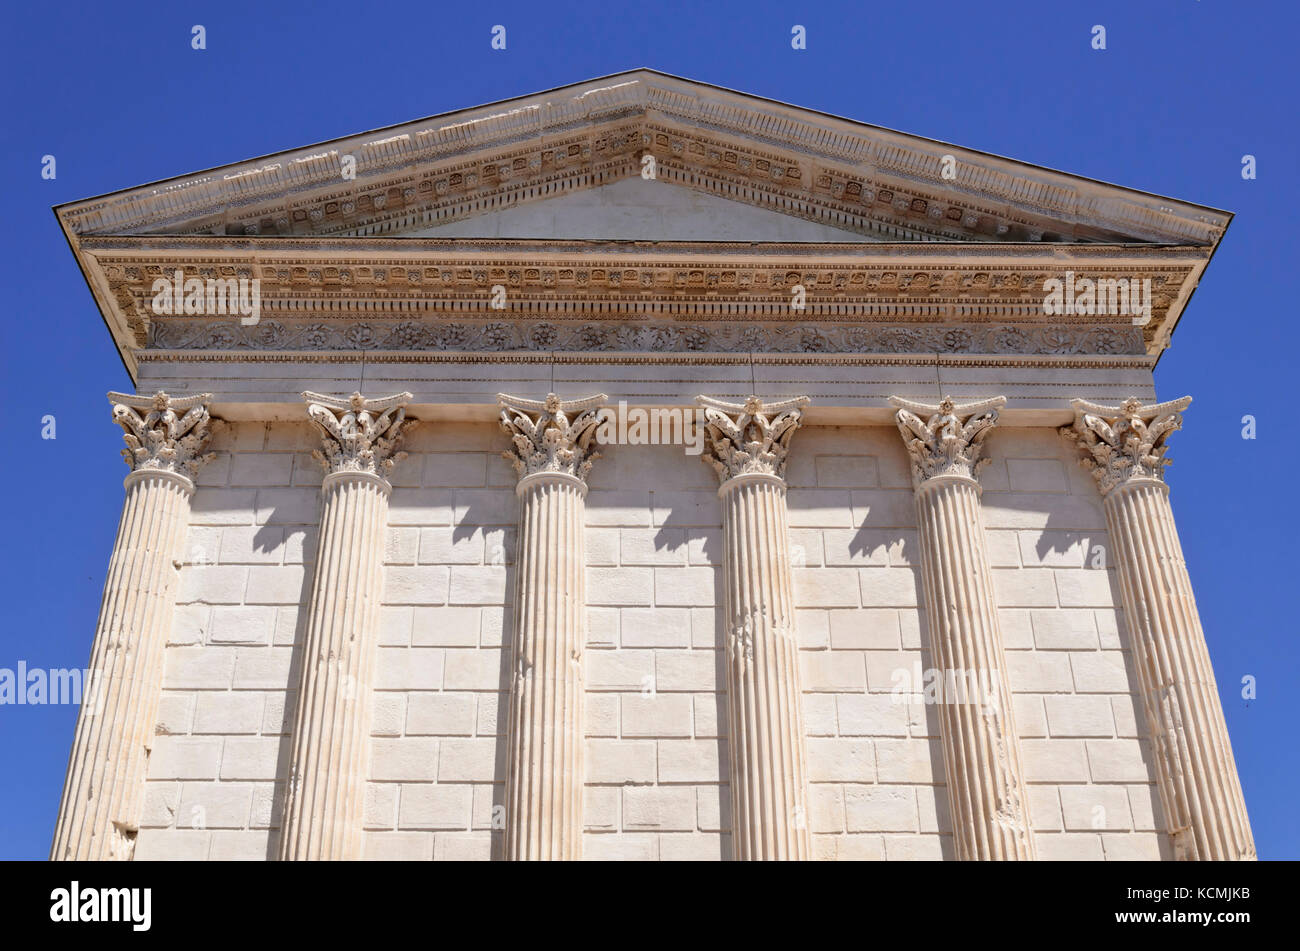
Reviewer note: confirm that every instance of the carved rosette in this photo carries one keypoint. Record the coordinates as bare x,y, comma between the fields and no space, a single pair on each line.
164,433
551,435
359,434
749,438
1124,443
946,440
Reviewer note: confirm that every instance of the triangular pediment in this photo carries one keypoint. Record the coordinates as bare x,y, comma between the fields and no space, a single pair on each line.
713,149
608,215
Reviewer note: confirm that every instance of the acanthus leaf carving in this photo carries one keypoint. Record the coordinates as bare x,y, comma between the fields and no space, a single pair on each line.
1126,442
170,437
947,439
551,435
751,437
359,434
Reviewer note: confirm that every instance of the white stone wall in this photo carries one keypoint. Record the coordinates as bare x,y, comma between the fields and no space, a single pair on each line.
225,711
643,210
656,720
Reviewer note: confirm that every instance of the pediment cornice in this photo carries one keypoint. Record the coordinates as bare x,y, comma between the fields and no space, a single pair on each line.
857,177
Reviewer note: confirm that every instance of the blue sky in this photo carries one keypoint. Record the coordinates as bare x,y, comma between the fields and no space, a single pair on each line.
1182,92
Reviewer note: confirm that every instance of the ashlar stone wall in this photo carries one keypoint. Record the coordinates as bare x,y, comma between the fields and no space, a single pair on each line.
655,711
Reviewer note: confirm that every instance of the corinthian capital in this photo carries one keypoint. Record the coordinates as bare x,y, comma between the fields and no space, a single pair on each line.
551,435
748,438
357,434
1126,442
157,437
946,440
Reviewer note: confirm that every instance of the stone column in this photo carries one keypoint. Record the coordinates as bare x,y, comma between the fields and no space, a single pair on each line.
982,763
747,446
331,731
1124,448
104,791
552,454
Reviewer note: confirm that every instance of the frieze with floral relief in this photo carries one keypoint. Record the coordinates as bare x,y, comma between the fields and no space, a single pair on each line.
641,337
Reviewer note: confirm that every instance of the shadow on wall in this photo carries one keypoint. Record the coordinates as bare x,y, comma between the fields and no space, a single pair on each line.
285,750
495,513
502,724
722,715
878,536
697,541
696,530
1033,483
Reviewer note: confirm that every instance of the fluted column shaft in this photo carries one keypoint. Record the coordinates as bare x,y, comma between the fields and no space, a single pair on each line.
1197,775
552,452
327,778
544,778
747,445
1199,787
982,762
103,794
326,788
769,771
986,786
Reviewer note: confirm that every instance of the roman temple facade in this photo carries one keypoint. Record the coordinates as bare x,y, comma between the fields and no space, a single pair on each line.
645,470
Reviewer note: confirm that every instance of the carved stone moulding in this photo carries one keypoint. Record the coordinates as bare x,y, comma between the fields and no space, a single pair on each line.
727,270
968,306
470,335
